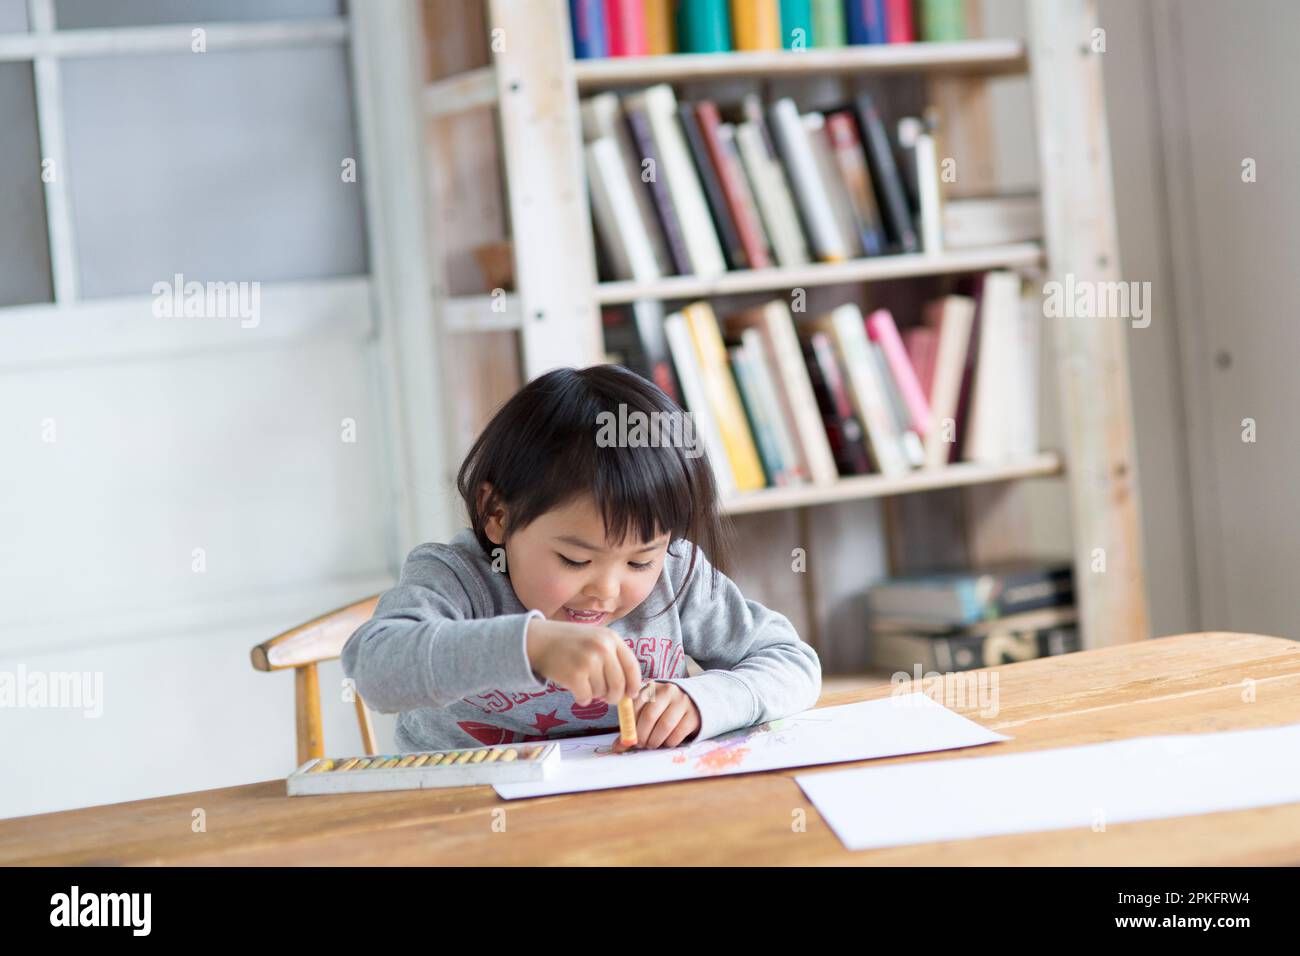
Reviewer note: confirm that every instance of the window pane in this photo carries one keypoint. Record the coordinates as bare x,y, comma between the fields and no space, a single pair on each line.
24,241
13,16
220,166
83,14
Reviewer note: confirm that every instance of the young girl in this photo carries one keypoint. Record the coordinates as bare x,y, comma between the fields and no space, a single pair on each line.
579,580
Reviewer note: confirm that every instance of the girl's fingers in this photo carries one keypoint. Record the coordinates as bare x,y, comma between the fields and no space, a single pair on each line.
647,716
580,688
667,722
685,727
631,670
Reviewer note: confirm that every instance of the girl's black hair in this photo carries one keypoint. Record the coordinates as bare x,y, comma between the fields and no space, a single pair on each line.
541,451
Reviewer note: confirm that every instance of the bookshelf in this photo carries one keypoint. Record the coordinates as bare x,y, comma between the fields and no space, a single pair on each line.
516,111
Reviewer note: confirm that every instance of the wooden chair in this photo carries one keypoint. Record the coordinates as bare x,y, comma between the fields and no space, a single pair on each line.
302,649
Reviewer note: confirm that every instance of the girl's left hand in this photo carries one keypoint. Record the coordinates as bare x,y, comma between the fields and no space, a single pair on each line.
665,716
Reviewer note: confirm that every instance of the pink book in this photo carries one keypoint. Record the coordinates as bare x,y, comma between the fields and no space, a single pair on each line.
881,328
625,28
922,344
898,21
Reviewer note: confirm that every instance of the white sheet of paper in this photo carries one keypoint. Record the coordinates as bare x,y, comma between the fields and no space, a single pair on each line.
1145,778
906,724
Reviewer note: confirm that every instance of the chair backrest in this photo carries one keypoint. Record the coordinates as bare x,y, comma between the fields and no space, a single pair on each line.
302,648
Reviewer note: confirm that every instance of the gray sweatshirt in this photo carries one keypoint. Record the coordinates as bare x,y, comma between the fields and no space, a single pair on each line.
446,648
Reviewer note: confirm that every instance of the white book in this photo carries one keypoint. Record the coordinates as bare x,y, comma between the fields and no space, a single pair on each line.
910,441
868,391
618,224
991,220
997,365
677,170
687,364
1022,390
809,189
750,210
602,116
756,348
775,203
957,316
913,135
841,202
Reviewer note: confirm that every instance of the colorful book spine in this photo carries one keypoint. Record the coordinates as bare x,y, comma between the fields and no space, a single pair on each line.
793,471
587,19
843,430
742,366
639,123
881,328
796,24
728,234
865,20
884,173
744,212
625,28
846,146
943,21
899,26
828,23
703,26
755,24
659,32
691,376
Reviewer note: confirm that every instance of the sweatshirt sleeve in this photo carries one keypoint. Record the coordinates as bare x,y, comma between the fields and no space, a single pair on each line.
756,667
424,648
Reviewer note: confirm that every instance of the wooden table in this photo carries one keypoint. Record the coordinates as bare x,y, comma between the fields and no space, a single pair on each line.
1185,684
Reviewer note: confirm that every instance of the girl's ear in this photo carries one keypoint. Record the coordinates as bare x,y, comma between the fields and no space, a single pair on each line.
493,514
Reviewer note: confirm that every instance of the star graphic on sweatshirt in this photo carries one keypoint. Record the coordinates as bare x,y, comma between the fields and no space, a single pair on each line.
546,721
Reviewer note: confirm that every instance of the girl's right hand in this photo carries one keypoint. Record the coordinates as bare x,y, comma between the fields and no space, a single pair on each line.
592,662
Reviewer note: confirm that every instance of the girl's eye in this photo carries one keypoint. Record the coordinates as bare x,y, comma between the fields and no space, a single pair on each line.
641,567
574,564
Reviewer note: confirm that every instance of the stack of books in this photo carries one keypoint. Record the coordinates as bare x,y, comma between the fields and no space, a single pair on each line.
603,28
961,620
681,189
778,402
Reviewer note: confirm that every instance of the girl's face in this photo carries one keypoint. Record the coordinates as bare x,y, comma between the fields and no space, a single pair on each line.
562,564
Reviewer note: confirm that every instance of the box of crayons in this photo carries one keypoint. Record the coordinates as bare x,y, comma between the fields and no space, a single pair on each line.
466,767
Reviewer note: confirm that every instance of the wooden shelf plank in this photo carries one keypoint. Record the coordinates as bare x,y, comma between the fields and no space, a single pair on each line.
1044,464
994,56
461,92
817,274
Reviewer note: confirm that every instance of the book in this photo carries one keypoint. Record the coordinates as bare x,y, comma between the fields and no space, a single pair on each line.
602,115
690,375
918,144
847,331
837,192
792,384
865,20
962,597
844,432
942,21
639,332
723,220
625,28
677,170
810,191
756,411
828,23
772,193
922,344
898,21
1020,637
908,440
724,400
660,35
619,227
638,122
953,317
775,411
703,26
882,330
1004,401
796,24
885,176
755,25
846,147
587,24
719,138
991,220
